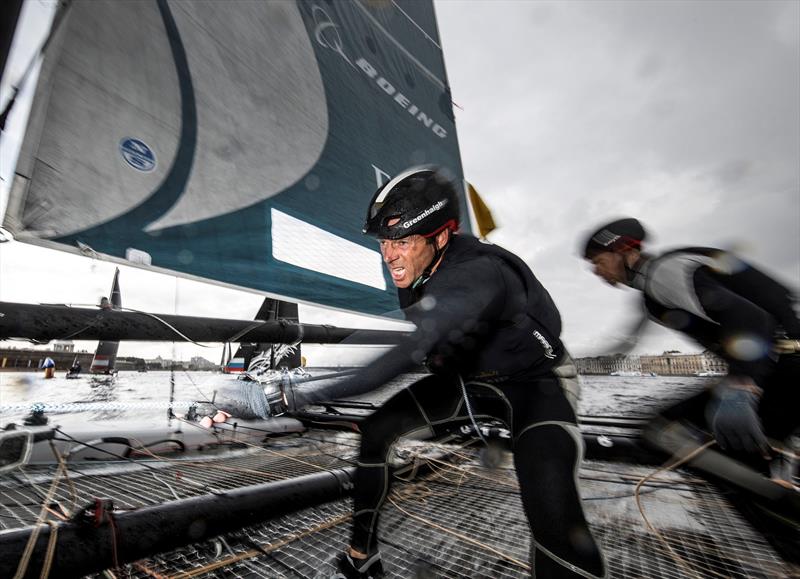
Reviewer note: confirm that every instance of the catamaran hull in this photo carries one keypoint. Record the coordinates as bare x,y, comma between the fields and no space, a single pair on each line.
122,444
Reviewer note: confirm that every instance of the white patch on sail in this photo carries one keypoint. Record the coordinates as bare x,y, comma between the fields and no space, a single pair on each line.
307,246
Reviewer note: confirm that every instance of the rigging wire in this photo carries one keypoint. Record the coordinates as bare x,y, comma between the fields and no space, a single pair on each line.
132,310
125,458
170,413
469,411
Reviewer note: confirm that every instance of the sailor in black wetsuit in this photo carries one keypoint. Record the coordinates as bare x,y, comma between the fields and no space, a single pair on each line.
489,332
75,369
732,309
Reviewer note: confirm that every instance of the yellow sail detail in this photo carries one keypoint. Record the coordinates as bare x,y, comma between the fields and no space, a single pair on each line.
481,212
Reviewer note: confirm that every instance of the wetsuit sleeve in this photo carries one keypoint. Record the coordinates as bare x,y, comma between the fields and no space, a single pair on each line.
457,303
770,295
745,329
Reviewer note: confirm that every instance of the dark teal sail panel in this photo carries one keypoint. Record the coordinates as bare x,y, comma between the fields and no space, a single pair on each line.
238,142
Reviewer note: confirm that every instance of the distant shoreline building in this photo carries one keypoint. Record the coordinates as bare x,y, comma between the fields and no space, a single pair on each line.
670,363
24,359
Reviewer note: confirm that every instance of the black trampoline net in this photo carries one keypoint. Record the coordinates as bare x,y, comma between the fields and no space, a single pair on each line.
460,519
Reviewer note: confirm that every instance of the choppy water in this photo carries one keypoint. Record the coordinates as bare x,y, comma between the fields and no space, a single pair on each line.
143,398
635,396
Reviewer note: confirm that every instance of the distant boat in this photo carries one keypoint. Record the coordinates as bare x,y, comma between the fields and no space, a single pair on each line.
626,373
75,370
710,373
105,357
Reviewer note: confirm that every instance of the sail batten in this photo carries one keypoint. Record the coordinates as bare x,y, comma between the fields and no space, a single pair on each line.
194,132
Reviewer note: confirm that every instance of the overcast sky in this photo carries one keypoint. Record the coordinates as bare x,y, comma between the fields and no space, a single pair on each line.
684,114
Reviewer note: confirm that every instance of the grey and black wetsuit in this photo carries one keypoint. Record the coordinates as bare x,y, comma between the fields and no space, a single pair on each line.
737,312
488,328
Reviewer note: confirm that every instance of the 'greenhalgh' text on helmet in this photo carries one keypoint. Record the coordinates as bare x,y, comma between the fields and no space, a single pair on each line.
419,201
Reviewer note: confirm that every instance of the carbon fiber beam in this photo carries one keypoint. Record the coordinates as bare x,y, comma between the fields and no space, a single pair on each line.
52,322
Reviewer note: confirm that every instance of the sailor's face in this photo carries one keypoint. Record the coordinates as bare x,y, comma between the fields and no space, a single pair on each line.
610,267
406,258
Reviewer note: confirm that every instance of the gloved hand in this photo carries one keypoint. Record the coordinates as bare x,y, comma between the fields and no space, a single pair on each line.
733,417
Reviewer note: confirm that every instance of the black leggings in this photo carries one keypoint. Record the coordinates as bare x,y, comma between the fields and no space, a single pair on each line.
547,451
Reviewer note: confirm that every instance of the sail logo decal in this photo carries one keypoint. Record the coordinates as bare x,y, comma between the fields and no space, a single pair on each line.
432,209
327,35
137,154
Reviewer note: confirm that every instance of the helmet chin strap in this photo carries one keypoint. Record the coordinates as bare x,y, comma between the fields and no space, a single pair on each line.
631,272
428,271
630,275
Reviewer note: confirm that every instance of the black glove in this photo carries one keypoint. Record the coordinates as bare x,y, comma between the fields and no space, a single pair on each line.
733,418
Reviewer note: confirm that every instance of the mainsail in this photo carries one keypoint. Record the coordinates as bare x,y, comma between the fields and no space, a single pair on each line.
239,143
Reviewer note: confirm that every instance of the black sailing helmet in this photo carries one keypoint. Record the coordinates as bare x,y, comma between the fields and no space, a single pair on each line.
423,200
618,235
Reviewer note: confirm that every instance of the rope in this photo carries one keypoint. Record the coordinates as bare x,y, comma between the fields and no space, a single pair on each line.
154,316
147,571
51,549
215,467
28,552
73,492
145,465
253,326
167,324
666,468
241,470
263,549
113,526
788,453
458,535
508,482
196,387
421,492
53,539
